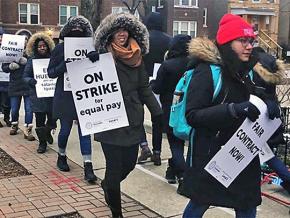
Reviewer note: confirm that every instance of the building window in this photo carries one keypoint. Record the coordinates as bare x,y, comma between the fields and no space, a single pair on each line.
185,3
185,27
116,10
66,12
256,1
271,1
204,16
28,13
160,3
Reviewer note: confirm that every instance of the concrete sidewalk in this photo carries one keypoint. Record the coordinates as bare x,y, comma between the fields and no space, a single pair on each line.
48,192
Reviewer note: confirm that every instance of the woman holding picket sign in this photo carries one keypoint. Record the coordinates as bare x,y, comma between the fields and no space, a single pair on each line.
63,104
216,119
128,40
40,46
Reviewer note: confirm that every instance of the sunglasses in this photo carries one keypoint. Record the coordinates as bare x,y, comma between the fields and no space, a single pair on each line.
246,41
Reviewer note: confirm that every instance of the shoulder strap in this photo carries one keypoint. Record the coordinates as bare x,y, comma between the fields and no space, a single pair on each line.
251,75
217,79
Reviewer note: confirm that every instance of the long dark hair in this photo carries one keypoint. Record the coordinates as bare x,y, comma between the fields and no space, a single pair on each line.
231,62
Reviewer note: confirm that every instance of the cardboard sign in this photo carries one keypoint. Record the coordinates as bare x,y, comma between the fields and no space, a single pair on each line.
154,76
45,86
76,49
4,77
12,48
243,146
97,95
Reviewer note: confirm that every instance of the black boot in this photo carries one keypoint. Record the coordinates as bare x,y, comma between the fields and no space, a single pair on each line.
7,118
62,163
113,199
170,173
49,137
286,186
89,172
41,134
1,125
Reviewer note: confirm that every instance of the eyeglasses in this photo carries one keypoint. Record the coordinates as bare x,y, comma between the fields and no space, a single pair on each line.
246,41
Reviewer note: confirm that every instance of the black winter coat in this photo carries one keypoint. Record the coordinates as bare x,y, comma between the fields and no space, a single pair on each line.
37,104
136,91
214,126
159,44
63,104
17,86
168,76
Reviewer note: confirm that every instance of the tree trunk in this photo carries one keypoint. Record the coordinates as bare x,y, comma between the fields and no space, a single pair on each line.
91,9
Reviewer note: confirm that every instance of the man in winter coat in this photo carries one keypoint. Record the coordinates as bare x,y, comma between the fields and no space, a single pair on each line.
158,45
215,121
4,98
63,104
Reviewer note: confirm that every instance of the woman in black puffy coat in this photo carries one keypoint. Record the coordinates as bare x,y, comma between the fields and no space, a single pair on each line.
40,46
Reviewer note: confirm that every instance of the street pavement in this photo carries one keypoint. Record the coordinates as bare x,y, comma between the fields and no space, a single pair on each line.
146,184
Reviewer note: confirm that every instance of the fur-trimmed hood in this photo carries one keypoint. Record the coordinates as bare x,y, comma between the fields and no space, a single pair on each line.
77,21
30,48
113,22
205,50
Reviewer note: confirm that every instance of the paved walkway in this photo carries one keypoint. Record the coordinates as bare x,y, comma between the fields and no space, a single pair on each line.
48,192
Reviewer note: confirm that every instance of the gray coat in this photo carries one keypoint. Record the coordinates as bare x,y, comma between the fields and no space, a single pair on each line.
136,92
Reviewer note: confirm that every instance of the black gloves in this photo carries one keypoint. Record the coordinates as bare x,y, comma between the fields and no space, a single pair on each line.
252,61
93,56
273,109
32,82
244,109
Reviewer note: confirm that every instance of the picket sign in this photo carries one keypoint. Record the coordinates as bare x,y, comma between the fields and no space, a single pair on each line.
12,48
76,49
97,94
243,146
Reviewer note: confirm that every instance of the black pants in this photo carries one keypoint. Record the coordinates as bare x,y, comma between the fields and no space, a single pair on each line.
5,104
120,161
45,119
157,127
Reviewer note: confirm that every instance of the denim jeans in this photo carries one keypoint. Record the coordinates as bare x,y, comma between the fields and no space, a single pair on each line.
85,141
194,210
15,102
279,167
177,152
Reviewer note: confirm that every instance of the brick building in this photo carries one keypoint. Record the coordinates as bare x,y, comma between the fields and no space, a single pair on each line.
36,15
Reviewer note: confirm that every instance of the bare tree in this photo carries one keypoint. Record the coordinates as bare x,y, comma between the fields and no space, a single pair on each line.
91,9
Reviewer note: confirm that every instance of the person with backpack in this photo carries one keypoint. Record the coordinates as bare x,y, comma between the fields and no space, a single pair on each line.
127,39
17,90
40,46
63,104
168,75
158,45
216,120
4,98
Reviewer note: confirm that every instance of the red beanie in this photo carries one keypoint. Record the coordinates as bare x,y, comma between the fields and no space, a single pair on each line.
232,27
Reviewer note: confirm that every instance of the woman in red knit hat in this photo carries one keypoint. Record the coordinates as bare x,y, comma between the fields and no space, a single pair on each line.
215,121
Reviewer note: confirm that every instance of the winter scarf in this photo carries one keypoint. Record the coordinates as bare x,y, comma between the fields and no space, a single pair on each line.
129,55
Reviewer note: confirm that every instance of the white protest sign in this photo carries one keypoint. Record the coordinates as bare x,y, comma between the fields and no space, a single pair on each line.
12,48
243,146
154,76
266,153
97,95
4,77
45,86
76,49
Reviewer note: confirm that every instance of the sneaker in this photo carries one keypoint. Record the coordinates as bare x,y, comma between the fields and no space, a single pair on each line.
155,158
145,154
170,175
14,128
286,186
62,163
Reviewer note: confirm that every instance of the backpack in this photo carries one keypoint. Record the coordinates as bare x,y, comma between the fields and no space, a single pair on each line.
177,118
